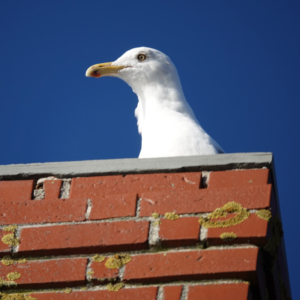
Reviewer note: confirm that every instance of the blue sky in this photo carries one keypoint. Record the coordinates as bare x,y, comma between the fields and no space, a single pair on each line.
238,61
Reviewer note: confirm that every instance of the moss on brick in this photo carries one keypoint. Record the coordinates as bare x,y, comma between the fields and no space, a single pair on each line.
7,260
10,239
98,258
116,287
228,236
171,216
13,276
11,228
117,261
230,207
155,215
19,296
264,214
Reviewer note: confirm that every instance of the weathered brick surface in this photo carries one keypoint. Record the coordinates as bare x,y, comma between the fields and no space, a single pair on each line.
238,291
172,292
143,293
116,197
113,206
91,187
84,238
52,189
194,265
180,232
101,272
204,200
49,273
42,211
252,231
20,190
238,178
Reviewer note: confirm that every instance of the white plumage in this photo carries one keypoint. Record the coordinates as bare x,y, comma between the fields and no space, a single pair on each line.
165,120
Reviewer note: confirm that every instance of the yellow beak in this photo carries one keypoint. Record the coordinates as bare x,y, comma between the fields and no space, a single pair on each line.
105,69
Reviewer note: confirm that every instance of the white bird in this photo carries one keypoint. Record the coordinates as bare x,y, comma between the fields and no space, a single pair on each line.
165,120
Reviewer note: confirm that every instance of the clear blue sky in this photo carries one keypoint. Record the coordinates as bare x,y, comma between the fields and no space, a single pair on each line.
239,63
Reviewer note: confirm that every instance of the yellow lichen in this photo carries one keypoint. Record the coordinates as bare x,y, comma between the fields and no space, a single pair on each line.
10,239
7,260
230,207
7,283
171,216
155,215
13,276
11,228
264,214
22,261
117,261
116,287
68,291
84,288
156,223
98,258
90,272
4,296
229,236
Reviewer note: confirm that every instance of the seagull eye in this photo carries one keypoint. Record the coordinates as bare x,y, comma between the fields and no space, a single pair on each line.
141,57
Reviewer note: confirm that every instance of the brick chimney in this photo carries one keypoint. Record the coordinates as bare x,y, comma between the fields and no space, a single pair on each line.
186,228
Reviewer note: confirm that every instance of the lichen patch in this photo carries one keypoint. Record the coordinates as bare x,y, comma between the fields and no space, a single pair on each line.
116,287
13,276
117,261
11,228
230,207
264,214
7,283
171,216
10,239
98,258
68,291
22,261
228,236
4,296
155,215
156,223
7,260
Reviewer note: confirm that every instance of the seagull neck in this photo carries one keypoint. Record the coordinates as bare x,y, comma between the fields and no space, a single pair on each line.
161,99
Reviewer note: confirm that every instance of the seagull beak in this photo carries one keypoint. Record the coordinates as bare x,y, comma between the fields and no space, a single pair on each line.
105,69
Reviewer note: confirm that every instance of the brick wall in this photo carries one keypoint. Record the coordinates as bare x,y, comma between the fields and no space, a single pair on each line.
173,236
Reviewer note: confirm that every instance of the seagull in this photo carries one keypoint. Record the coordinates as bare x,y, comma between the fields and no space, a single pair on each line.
165,120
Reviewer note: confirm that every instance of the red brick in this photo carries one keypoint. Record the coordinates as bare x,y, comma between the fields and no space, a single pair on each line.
238,291
42,211
194,265
52,189
164,181
84,238
4,249
238,178
172,292
251,231
102,272
180,232
20,190
50,273
113,206
91,187
204,200
144,293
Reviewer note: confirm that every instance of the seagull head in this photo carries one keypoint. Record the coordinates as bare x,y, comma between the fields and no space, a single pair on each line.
140,68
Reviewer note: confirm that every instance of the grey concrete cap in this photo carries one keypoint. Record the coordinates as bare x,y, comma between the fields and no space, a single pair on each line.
130,166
